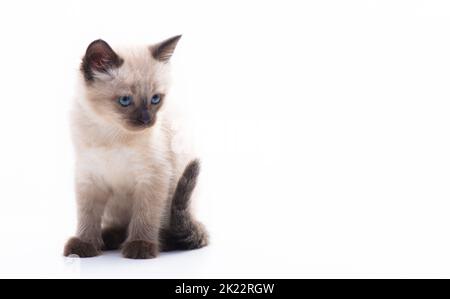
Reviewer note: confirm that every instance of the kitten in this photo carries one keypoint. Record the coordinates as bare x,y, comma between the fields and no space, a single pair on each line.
133,192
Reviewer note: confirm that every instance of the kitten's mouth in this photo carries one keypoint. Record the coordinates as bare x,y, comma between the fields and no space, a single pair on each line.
138,125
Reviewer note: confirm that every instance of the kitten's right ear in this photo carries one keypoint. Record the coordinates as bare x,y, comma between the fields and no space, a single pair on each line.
99,57
164,50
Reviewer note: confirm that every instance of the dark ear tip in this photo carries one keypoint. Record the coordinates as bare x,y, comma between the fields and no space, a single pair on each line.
99,57
175,39
98,42
164,50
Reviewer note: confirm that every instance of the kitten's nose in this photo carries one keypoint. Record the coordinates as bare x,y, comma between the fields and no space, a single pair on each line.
145,117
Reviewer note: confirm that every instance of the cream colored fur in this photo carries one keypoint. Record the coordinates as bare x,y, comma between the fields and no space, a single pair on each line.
124,177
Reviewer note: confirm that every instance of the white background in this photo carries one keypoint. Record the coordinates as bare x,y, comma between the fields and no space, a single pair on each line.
323,127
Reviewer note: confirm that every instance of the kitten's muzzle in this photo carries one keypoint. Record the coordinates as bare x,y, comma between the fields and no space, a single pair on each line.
144,117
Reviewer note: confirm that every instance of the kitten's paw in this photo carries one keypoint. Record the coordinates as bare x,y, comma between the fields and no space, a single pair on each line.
82,249
113,237
140,250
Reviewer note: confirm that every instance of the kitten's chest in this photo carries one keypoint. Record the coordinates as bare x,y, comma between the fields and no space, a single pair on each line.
115,166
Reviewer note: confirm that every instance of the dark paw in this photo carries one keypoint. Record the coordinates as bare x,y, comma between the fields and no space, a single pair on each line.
82,249
113,237
140,250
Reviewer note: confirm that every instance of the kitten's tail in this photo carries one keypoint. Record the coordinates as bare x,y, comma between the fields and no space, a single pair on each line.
185,187
184,231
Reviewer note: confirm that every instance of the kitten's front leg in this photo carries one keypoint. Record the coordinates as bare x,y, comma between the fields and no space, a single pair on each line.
91,200
143,231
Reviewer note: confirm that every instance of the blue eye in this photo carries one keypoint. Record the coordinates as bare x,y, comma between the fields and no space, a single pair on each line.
156,99
125,101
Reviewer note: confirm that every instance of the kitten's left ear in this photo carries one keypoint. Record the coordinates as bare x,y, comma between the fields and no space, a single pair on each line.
99,57
164,50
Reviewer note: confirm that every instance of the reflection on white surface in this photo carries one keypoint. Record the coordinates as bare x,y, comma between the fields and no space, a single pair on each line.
113,265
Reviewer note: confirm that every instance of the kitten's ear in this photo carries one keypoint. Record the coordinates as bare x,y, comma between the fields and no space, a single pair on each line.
164,50
99,57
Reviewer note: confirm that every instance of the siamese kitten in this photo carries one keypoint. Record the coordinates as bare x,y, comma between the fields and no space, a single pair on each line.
133,192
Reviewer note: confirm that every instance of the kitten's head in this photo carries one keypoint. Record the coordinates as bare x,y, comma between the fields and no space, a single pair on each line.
127,88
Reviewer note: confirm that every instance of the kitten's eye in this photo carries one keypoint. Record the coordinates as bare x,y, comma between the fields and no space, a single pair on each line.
156,99
125,101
